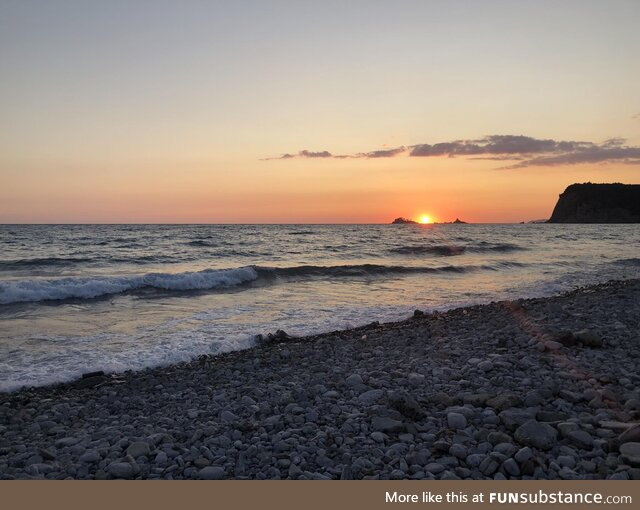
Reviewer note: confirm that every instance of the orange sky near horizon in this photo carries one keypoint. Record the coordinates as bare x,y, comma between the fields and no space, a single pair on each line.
299,191
164,112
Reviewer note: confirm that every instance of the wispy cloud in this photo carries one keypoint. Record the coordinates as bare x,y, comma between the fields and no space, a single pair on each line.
597,154
497,145
382,153
526,150
304,154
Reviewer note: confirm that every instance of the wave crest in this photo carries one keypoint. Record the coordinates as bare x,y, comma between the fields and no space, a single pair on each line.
448,250
16,291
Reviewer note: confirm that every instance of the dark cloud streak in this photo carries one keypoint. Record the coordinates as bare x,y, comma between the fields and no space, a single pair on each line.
528,151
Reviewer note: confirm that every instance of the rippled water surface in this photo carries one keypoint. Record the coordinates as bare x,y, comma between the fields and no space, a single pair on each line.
76,298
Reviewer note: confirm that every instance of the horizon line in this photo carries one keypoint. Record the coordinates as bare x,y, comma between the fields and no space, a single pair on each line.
271,224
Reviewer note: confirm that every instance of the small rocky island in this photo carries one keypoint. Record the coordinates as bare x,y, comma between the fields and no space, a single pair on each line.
405,221
598,203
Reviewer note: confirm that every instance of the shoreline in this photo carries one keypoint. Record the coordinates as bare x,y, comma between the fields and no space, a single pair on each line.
531,388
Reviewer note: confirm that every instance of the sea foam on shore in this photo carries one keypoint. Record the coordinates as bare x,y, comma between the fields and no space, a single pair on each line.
540,388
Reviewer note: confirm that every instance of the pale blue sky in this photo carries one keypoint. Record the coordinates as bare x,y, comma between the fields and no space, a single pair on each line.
122,87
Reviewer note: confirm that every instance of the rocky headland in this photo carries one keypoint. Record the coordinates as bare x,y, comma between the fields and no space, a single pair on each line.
527,389
598,203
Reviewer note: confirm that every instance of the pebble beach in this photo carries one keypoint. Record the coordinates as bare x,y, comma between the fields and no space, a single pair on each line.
545,388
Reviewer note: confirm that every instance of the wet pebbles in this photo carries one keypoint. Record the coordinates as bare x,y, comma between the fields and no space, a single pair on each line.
541,388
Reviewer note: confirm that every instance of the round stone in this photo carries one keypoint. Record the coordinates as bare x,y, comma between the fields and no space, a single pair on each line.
211,473
538,435
456,421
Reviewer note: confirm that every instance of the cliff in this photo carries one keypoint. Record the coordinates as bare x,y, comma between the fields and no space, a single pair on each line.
598,203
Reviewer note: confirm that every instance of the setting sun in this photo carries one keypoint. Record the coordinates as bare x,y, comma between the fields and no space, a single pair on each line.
425,218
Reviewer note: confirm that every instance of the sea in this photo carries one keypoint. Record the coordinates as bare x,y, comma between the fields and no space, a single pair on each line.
82,298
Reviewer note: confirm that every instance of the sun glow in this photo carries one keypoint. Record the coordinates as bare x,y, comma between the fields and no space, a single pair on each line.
425,219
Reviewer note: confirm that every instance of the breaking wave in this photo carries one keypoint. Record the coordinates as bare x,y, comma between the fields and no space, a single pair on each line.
16,291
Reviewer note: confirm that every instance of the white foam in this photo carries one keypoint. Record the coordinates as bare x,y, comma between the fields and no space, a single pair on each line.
61,358
16,291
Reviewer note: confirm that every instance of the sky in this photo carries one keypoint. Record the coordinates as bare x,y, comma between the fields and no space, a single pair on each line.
312,112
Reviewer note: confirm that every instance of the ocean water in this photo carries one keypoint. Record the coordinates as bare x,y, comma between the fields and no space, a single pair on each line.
78,298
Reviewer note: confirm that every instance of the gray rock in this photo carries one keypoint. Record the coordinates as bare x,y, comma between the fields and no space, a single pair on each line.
434,468
588,465
211,473
354,380
621,475
489,465
533,398
46,454
416,380
513,418
227,416
474,460
120,470
497,437
42,468
138,449
90,457
456,421
504,401
378,437
630,453
570,396
247,401
90,382
386,424
566,338
67,441
551,416
588,338
370,397
567,427
523,454
552,346
34,459
567,461
201,462
476,399
507,449
485,366
536,434
459,451
406,404
631,435
347,473
581,439
511,467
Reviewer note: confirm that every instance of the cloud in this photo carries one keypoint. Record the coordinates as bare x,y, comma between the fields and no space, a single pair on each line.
526,150
304,154
636,116
310,154
383,153
597,154
497,145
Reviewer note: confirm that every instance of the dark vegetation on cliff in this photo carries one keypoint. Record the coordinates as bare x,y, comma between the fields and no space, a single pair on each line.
598,203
